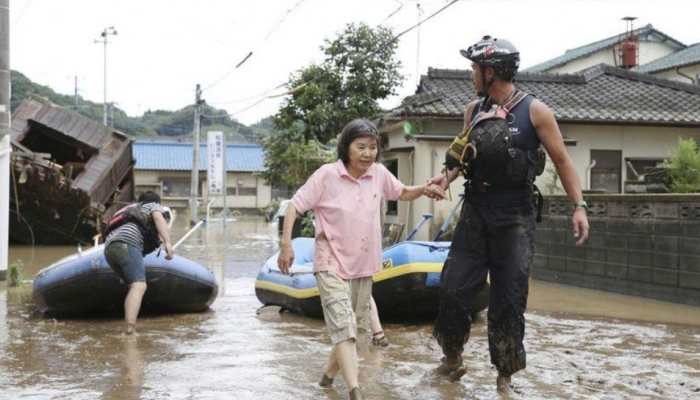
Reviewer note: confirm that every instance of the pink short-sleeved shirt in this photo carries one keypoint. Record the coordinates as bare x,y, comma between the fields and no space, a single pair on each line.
347,213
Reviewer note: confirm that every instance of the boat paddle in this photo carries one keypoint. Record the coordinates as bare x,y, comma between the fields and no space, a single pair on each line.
446,224
188,233
426,217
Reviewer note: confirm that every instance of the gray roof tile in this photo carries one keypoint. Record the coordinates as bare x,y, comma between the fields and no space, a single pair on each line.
602,93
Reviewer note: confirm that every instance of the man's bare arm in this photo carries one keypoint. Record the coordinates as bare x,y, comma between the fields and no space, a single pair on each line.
548,131
550,136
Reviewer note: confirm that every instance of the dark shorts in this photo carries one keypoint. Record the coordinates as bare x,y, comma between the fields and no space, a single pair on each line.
126,261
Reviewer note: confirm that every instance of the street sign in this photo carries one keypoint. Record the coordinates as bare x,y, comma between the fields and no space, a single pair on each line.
216,170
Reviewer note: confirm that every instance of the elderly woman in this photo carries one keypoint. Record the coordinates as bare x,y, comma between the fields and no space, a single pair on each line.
346,197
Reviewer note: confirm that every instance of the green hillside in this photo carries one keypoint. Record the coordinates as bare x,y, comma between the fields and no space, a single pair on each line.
153,123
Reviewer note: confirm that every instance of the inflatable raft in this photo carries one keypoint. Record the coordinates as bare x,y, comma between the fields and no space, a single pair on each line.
405,288
83,284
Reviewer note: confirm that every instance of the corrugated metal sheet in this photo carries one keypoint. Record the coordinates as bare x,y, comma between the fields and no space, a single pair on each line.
67,122
172,156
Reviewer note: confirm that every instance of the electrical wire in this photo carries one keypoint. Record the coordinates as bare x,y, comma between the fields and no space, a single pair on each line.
421,22
388,17
249,98
251,52
380,48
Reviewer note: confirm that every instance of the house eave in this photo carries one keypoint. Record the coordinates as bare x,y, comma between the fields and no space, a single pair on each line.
567,120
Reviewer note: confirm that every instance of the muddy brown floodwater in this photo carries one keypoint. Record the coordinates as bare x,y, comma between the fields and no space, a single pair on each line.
581,344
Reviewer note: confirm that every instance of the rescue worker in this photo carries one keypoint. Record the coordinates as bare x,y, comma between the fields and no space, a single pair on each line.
494,236
133,232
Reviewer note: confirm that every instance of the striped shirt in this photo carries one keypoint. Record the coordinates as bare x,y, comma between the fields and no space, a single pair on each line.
130,233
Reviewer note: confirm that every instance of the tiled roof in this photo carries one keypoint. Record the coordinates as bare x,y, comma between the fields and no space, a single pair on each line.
600,94
646,32
687,56
172,156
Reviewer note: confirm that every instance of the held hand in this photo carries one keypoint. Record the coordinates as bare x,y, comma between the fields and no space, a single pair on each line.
439,180
169,251
434,192
580,224
285,259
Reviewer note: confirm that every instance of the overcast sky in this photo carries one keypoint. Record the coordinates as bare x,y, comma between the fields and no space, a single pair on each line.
164,47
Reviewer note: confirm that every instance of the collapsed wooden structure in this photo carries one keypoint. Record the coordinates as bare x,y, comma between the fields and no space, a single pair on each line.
68,173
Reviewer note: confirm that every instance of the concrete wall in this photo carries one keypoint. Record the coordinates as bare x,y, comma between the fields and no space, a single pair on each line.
642,245
648,51
689,70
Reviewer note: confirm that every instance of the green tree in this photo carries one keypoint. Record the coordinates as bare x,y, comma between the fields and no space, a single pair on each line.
290,160
360,68
684,167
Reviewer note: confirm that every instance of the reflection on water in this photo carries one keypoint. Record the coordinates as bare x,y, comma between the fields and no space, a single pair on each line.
230,352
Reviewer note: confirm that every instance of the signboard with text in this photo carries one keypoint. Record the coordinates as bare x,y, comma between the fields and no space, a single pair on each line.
216,170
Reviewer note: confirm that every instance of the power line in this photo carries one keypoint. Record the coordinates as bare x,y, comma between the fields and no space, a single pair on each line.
282,19
382,47
251,52
260,100
388,17
421,22
249,98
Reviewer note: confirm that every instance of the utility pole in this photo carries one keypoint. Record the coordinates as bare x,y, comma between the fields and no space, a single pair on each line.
75,93
110,112
105,39
194,188
4,68
419,15
5,147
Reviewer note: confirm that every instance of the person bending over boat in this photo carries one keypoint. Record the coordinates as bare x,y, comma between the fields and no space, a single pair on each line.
346,197
133,232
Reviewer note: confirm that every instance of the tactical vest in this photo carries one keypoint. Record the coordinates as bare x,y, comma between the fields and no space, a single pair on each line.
500,148
134,214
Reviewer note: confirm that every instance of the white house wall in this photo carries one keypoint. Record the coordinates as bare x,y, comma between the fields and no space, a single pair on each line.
428,156
247,180
633,141
690,70
148,179
648,51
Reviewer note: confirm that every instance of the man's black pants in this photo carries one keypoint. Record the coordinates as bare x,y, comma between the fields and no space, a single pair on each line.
494,237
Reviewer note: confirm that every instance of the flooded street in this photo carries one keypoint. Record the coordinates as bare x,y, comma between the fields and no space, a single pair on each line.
581,344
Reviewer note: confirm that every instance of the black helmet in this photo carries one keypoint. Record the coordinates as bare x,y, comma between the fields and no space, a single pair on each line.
497,53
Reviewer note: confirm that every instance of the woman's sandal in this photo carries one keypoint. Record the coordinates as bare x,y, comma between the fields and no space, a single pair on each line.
326,381
379,339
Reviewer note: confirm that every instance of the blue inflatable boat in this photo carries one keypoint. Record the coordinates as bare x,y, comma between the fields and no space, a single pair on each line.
405,288
83,284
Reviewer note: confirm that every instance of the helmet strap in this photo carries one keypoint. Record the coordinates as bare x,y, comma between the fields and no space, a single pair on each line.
486,85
